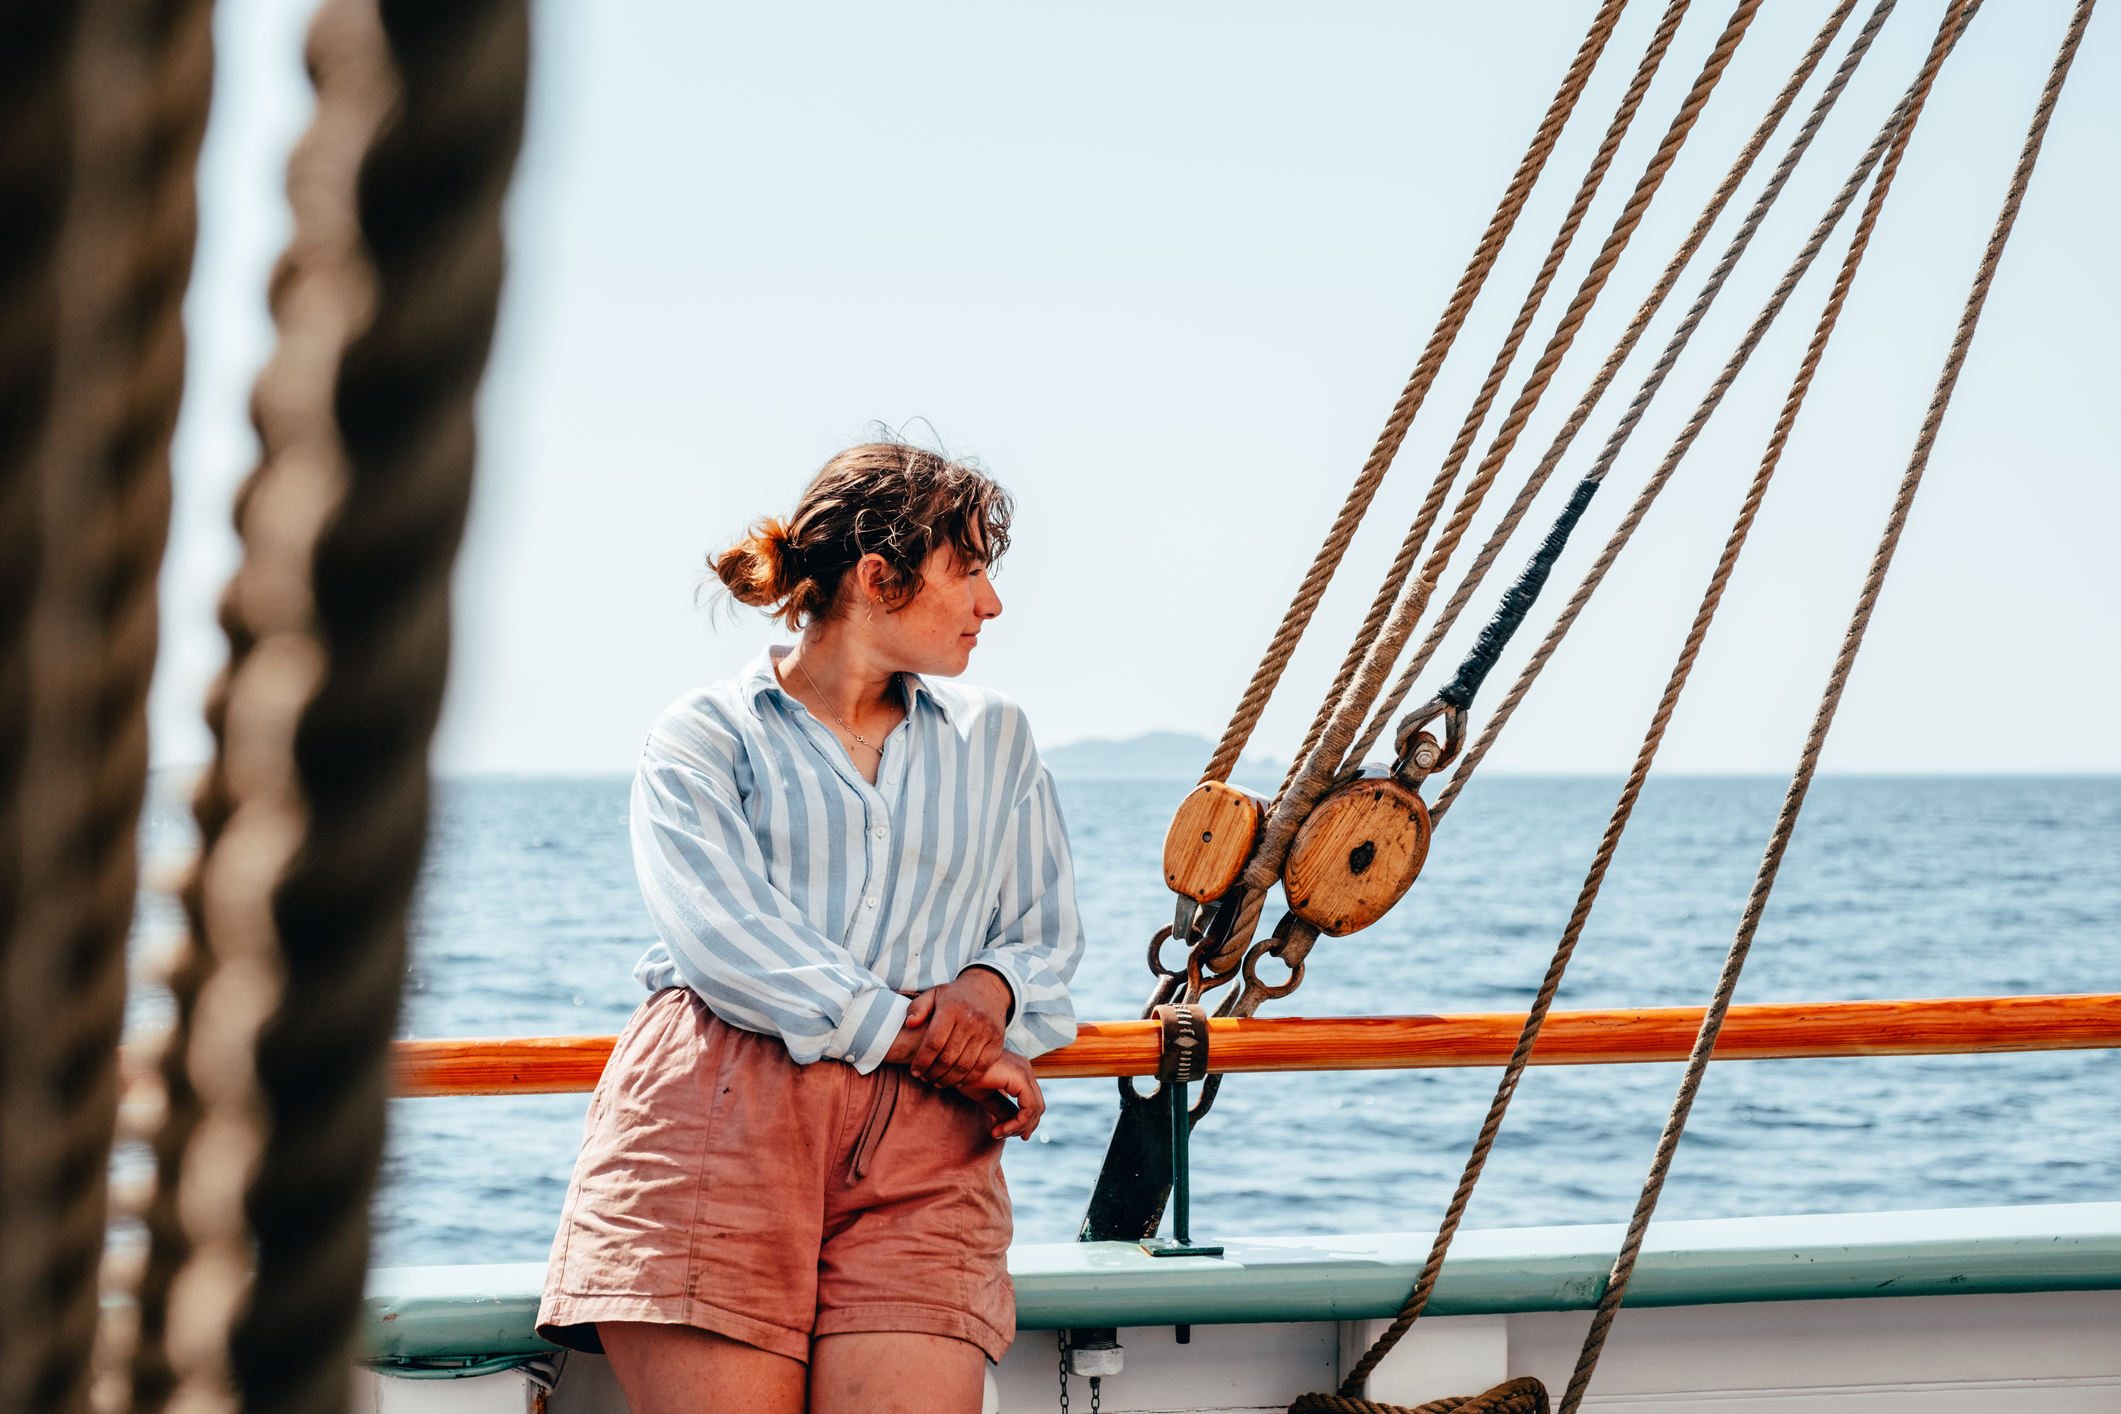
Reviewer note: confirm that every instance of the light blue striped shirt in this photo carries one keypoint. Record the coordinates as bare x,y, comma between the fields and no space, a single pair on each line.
801,901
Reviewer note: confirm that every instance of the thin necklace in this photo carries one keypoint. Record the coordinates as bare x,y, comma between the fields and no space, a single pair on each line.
805,671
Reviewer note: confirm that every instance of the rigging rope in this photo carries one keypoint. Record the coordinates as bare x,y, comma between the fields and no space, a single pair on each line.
1342,713
1696,235
1675,685
1684,442
1382,606
1829,702
1298,616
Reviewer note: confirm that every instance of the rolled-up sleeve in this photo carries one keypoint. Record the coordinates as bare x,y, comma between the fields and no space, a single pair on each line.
1037,935
726,931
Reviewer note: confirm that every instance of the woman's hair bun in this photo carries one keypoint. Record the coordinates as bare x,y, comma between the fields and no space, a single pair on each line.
756,570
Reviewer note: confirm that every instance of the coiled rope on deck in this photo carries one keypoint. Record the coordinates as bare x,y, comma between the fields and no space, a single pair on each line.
1523,1395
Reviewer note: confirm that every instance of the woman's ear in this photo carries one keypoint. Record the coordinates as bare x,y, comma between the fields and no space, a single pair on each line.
869,575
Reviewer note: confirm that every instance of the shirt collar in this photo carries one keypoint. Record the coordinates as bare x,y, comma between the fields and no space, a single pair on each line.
760,678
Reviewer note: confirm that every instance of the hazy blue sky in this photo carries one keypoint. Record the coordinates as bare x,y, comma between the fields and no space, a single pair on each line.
1164,269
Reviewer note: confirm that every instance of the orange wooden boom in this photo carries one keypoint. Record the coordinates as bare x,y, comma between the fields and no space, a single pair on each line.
1929,1027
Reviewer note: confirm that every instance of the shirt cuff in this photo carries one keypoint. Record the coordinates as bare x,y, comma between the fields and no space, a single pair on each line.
1016,988
870,1024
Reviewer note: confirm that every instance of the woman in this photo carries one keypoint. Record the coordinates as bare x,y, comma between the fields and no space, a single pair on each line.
790,1188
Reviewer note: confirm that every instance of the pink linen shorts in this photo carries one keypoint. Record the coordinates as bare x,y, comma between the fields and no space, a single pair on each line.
723,1186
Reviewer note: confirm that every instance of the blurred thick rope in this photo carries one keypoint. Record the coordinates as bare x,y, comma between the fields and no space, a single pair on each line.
313,815
250,808
36,176
430,198
138,85
1837,678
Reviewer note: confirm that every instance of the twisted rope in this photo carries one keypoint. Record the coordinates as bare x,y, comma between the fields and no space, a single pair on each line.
1550,358
141,78
250,807
1298,616
1341,713
1623,811
431,189
1524,1395
1837,682
36,174
1625,346
1710,401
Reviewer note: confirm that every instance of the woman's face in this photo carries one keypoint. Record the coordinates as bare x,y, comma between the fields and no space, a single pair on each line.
935,631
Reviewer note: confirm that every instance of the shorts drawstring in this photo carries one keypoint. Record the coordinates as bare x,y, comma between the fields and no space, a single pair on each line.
882,1106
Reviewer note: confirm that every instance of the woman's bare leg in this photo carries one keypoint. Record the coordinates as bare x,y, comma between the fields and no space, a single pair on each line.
681,1370
895,1372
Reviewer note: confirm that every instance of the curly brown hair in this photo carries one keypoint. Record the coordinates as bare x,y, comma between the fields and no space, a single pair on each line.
888,499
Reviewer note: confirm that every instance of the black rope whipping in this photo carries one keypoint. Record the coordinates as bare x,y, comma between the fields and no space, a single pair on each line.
1517,601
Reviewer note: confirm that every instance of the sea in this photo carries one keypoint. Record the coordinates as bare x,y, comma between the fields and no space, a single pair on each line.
528,922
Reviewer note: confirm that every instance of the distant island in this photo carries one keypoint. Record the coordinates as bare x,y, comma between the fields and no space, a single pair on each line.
1150,756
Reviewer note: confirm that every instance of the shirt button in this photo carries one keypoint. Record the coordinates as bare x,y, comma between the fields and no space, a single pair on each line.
881,832
872,900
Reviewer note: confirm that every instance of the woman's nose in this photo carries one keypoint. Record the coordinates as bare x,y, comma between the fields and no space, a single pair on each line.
988,604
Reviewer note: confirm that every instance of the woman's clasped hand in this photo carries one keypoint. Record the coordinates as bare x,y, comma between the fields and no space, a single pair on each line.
952,1038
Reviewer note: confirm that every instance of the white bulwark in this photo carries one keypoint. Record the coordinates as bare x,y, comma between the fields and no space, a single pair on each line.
1943,1312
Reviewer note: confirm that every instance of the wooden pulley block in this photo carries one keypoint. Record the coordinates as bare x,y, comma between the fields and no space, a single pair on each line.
1210,839
1360,850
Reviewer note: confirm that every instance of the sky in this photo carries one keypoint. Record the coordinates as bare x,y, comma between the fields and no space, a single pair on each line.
1163,270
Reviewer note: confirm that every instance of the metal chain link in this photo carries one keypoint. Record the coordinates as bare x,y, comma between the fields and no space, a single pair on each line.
1097,1384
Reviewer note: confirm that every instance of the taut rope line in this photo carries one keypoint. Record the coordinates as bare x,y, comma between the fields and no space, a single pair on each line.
1829,704
1684,441
1609,843
1382,606
1342,712
1298,616
1566,436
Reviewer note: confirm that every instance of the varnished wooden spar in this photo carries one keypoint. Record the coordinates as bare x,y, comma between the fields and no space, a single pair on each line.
1938,1026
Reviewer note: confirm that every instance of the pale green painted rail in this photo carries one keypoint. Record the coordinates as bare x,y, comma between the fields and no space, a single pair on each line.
439,1312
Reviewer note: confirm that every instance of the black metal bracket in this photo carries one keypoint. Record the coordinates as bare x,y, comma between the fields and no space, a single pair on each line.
1182,1060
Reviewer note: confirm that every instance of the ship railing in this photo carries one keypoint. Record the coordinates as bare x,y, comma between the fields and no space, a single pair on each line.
528,1065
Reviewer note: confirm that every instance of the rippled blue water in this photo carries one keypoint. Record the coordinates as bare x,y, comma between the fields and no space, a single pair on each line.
529,923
